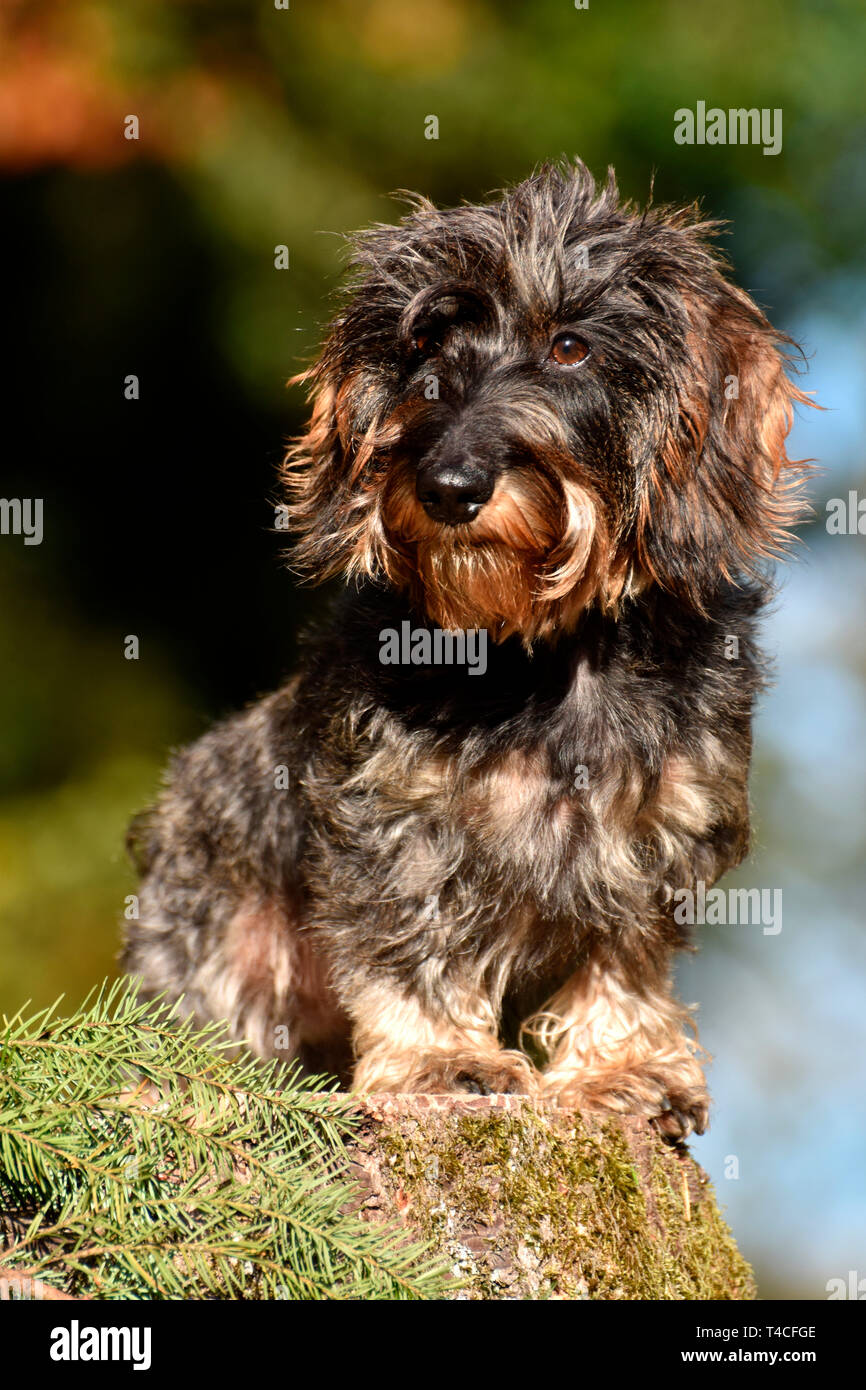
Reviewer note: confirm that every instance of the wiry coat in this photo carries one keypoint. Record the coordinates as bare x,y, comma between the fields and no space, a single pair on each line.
415,871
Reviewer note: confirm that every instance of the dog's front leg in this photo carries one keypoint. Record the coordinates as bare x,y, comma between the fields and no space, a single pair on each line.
405,1044
617,1039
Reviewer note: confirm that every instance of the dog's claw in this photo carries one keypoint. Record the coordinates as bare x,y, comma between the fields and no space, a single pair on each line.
676,1122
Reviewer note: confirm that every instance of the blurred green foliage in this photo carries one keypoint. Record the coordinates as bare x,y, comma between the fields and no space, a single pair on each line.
89,735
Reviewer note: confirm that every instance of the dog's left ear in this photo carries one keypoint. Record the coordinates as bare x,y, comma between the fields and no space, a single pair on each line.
721,493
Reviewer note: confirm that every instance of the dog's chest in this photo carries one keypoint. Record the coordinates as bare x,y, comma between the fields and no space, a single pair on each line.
514,806
567,821
560,827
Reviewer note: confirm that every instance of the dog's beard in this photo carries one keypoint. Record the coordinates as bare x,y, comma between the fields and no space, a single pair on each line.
529,563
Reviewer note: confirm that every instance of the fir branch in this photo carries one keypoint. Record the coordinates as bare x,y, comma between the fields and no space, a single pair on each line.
144,1160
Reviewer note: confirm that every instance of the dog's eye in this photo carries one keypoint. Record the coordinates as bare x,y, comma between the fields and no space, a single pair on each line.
428,339
568,350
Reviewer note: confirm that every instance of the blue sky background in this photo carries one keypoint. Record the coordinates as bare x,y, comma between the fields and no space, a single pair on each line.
784,1015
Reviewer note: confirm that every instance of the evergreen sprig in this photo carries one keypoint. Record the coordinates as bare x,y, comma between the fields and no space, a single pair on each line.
141,1158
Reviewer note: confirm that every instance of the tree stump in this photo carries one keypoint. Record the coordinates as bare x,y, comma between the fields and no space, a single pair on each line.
527,1200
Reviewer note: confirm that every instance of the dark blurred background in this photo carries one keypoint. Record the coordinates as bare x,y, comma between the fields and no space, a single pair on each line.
262,127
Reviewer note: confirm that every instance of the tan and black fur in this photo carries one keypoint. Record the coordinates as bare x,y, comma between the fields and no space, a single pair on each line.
424,879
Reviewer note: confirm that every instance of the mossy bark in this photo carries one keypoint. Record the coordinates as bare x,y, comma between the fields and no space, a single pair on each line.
531,1201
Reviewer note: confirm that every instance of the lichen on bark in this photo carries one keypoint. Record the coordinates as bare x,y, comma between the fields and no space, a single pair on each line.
532,1201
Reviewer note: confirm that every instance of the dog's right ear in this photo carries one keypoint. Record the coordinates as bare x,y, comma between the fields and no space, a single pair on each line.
330,478
310,478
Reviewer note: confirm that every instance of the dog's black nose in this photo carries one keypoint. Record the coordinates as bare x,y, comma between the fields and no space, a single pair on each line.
451,492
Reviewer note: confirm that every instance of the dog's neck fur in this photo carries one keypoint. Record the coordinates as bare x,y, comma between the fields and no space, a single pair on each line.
567,688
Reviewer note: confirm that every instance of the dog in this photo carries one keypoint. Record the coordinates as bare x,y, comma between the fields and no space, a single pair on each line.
553,421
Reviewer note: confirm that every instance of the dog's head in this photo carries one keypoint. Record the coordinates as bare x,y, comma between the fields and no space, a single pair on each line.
541,403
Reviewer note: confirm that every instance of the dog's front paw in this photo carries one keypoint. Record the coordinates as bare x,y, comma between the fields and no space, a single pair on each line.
444,1072
685,1113
675,1097
509,1074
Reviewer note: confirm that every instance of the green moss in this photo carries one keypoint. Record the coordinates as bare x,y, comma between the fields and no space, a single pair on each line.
540,1204
706,1252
